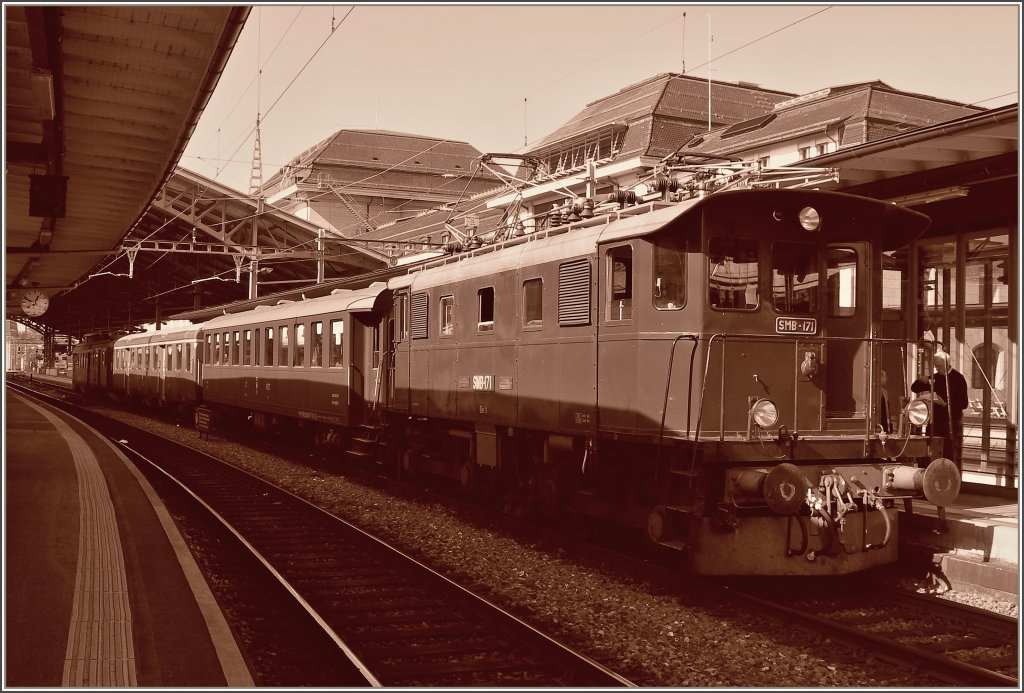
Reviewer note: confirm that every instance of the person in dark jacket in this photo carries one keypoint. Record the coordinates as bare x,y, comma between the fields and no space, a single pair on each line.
950,388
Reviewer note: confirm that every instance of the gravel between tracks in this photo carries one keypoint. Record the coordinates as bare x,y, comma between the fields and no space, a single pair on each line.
652,636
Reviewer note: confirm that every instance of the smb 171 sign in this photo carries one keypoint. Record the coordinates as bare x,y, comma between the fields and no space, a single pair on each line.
796,326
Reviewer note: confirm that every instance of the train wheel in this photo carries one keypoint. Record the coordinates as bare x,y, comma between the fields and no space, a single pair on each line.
468,476
408,461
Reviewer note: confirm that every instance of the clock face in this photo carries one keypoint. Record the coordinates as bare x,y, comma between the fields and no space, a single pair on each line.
34,302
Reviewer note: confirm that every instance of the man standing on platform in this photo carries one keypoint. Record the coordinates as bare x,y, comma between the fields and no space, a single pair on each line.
950,388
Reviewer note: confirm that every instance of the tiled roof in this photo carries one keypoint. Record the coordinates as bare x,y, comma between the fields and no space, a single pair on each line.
667,97
384,149
887,110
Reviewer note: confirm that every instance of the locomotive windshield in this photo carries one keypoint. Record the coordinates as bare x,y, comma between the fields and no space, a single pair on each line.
733,275
795,278
842,282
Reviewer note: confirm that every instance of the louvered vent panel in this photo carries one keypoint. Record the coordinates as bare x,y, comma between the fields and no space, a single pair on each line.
419,316
574,293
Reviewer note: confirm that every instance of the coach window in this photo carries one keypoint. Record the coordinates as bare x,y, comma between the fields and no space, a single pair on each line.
620,283
485,309
533,303
246,347
669,288
282,346
300,345
268,348
337,331
795,278
147,359
209,348
187,365
841,284
447,313
225,354
236,348
316,344
169,358
733,274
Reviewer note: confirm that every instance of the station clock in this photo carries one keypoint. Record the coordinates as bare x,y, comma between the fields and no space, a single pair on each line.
34,302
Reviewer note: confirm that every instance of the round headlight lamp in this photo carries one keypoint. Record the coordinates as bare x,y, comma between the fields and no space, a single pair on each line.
809,218
764,413
918,412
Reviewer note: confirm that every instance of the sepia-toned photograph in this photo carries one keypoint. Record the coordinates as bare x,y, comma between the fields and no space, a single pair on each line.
512,346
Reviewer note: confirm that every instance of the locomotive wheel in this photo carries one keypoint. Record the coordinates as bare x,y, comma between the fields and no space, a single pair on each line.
407,463
468,476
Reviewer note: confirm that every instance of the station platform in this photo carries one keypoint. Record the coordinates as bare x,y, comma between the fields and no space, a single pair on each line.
974,548
101,589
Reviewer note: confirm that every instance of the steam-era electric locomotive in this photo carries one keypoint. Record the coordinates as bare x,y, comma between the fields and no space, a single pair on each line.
707,370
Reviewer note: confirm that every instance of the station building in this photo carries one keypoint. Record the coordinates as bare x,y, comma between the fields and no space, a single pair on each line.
355,181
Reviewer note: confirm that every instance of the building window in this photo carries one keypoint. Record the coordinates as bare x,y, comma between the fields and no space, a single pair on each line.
447,312
533,302
762,161
805,152
485,309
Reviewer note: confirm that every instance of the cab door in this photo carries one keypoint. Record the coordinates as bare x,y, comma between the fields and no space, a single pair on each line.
399,352
848,327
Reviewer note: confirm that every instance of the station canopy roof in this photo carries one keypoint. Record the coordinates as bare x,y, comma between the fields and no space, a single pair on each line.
100,104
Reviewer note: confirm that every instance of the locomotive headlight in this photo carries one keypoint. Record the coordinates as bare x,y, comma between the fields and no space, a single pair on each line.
764,413
918,412
809,218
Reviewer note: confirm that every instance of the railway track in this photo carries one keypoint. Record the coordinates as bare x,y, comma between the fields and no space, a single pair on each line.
943,640
398,622
954,642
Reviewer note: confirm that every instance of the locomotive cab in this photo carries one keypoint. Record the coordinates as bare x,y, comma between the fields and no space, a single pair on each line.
758,365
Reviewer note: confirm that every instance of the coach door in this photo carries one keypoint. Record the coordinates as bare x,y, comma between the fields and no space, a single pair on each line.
847,328
161,388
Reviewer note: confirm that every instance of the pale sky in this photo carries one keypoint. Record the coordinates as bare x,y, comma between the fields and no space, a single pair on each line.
462,72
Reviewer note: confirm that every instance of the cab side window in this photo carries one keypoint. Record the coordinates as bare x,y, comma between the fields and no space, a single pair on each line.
485,314
669,290
533,303
446,310
619,305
